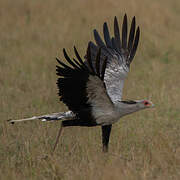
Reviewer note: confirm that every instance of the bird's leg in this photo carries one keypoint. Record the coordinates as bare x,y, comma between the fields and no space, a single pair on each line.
58,136
106,131
67,123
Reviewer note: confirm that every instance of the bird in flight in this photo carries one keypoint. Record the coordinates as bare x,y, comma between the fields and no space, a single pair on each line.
92,89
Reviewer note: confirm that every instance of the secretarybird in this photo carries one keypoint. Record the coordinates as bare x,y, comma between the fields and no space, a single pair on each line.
92,89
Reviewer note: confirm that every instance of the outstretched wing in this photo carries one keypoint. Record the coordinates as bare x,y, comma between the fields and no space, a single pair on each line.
81,86
120,53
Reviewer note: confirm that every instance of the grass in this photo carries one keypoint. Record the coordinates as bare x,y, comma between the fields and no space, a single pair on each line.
145,145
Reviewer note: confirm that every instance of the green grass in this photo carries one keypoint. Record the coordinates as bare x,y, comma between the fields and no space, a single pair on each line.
145,145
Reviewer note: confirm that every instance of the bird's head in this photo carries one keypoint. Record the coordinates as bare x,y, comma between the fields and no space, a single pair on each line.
142,104
129,106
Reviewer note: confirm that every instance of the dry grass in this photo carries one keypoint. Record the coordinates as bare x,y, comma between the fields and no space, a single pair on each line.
145,145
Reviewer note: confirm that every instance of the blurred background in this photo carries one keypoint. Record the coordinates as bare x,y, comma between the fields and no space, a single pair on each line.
144,145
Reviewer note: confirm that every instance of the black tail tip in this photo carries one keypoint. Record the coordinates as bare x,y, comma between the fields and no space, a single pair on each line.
9,120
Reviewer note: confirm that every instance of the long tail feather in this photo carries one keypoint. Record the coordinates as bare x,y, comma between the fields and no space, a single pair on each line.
48,117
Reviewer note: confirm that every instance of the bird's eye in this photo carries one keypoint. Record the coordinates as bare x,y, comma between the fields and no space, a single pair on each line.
146,103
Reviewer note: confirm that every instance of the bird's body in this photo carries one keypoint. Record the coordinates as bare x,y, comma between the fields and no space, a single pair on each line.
92,89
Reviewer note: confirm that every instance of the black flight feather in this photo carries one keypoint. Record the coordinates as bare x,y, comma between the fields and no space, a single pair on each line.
78,56
103,68
131,34
114,44
98,62
77,62
135,45
89,59
124,32
107,36
98,39
62,64
69,60
117,34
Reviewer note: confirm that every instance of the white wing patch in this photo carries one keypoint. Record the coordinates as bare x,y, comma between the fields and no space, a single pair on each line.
115,75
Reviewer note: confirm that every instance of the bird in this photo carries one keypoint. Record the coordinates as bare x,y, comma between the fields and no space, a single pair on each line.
92,89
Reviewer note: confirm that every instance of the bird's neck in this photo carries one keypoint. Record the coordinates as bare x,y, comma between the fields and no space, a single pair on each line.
124,109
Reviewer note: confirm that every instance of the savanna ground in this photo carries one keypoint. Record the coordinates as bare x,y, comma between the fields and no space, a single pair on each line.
145,145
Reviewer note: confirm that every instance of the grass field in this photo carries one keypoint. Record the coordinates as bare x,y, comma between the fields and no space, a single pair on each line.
145,145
